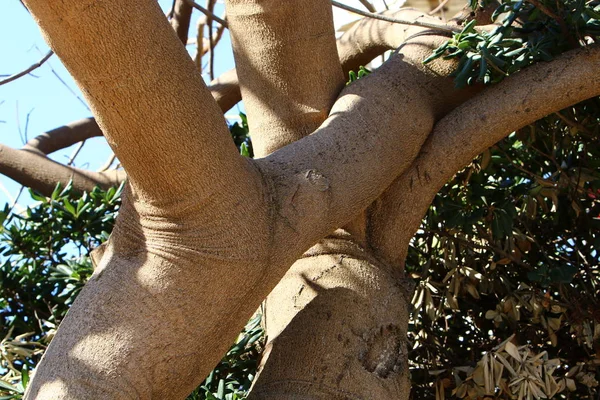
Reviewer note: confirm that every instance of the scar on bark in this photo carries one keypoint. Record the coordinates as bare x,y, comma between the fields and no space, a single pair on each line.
385,351
315,180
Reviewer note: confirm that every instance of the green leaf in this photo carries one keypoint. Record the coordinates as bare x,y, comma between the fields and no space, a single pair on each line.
24,377
482,69
35,196
69,208
244,150
221,389
56,192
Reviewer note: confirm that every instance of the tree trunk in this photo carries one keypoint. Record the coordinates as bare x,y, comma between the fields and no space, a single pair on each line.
336,328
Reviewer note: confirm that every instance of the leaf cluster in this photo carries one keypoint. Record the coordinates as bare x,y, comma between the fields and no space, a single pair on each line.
527,32
44,256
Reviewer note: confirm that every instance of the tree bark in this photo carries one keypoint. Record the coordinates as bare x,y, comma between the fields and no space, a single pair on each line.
199,221
336,323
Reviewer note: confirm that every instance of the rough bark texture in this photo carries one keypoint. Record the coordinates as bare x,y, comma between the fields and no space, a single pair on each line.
149,265
199,221
266,36
318,346
336,326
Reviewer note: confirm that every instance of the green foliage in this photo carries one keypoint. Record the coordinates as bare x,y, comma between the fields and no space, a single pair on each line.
241,136
354,76
529,32
45,261
510,248
232,378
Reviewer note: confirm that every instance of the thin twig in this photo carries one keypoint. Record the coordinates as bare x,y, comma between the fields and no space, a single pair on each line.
445,28
15,201
200,42
28,70
61,80
108,163
439,7
211,41
76,152
206,12
368,5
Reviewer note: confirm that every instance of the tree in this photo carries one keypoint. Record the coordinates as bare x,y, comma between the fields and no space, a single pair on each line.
199,220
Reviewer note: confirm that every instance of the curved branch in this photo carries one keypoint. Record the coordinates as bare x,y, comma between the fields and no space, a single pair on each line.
370,37
471,128
42,174
170,90
64,136
361,44
374,131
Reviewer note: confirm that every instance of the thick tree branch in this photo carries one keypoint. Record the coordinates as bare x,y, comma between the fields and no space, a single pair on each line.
192,197
64,136
404,95
288,92
370,38
42,174
136,68
288,67
471,128
123,338
365,41
225,89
